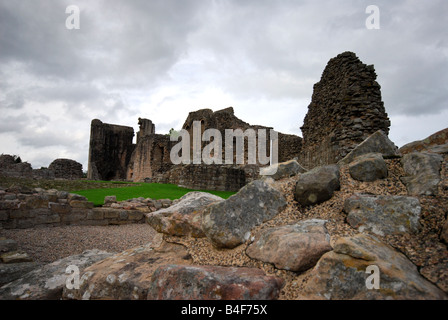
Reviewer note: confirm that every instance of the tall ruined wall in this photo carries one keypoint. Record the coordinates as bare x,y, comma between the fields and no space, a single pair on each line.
146,128
346,108
150,160
109,151
150,157
288,148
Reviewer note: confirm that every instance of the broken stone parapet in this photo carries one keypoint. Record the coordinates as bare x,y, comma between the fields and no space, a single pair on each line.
47,208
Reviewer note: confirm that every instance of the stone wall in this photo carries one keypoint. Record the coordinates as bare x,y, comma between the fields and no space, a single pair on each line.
150,157
28,209
289,146
66,169
58,169
206,177
43,173
110,150
346,108
10,168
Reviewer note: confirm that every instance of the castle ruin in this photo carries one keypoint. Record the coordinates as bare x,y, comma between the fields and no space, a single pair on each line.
346,108
113,156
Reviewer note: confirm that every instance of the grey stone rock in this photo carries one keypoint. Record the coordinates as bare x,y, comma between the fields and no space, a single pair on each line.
48,281
7,245
378,142
368,167
317,185
228,223
423,173
282,170
13,271
183,218
294,247
342,274
383,214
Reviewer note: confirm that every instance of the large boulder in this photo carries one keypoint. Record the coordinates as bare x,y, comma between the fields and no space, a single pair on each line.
435,143
294,247
127,275
184,282
228,223
383,214
13,271
317,185
283,170
368,167
346,273
378,142
184,217
423,173
48,281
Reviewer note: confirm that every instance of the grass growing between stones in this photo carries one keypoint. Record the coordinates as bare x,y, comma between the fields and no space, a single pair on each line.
146,190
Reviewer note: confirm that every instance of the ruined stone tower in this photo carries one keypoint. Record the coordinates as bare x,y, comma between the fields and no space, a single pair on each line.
109,151
346,108
146,128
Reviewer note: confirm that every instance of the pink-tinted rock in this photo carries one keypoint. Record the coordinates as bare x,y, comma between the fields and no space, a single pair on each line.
183,282
295,247
127,275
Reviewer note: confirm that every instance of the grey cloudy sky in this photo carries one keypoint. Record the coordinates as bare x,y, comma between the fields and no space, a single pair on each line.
161,59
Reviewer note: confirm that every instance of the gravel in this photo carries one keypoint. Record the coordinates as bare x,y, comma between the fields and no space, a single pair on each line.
424,248
50,244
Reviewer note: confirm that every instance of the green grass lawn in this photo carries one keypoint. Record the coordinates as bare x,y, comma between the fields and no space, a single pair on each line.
146,190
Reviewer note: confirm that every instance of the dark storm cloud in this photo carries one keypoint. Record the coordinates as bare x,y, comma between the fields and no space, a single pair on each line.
264,55
130,43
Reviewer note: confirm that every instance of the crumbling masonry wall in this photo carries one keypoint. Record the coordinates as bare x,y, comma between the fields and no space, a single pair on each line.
346,108
66,169
206,177
110,150
289,146
111,153
150,157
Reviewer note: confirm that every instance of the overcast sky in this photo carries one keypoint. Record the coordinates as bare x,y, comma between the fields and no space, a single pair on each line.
162,59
